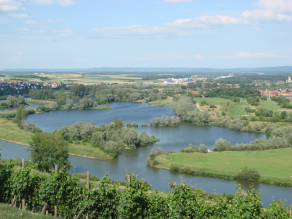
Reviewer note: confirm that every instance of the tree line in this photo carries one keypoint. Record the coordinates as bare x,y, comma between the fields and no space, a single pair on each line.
165,121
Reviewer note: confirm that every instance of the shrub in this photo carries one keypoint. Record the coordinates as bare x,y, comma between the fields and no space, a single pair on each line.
190,149
248,174
213,106
221,145
174,168
203,148
200,192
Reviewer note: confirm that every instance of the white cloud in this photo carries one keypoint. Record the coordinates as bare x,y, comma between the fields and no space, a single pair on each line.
39,22
16,57
64,32
3,20
23,29
279,5
180,27
18,15
160,57
84,60
257,29
9,5
47,2
38,31
198,57
204,21
223,57
266,15
3,35
220,5
64,2
30,22
185,11
253,55
177,1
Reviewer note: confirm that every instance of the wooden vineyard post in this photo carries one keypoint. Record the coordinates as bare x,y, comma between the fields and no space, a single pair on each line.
55,207
87,185
23,198
129,178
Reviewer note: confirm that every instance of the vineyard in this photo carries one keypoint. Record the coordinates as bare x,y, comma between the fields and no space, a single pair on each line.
64,196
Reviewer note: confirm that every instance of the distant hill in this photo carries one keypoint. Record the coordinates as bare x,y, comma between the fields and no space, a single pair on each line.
126,70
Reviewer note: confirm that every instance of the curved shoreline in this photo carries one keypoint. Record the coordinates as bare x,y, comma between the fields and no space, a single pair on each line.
15,142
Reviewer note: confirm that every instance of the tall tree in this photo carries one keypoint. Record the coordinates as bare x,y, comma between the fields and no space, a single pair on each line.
49,149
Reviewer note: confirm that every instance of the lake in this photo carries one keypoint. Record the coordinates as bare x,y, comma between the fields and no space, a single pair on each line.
171,138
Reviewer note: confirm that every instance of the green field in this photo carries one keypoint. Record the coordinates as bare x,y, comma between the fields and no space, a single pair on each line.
213,100
274,165
271,105
237,109
78,78
11,132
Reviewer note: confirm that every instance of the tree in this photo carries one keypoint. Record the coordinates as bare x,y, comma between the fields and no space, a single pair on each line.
20,114
49,149
221,145
203,148
284,115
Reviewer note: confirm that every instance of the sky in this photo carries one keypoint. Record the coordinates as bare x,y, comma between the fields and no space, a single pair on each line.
145,33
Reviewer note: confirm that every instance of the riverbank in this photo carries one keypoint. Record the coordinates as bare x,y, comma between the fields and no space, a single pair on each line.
10,132
274,166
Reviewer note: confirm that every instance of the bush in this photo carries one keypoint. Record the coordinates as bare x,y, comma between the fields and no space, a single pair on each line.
174,168
248,174
203,148
221,145
190,149
200,192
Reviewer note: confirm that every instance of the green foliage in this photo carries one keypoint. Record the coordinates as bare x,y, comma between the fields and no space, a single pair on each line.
203,148
49,149
248,174
42,94
175,168
72,198
190,149
187,110
167,121
221,145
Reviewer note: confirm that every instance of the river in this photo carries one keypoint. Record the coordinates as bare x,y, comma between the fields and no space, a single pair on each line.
171,138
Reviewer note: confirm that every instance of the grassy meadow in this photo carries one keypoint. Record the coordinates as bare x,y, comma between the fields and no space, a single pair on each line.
274,165
11,132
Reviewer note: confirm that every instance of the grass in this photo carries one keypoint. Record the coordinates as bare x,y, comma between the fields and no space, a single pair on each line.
269,104
237,108
212,100
8,212
167,102
47,103
11,132
273,165
89,151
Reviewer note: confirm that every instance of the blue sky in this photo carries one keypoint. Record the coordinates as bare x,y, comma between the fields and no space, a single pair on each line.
145,33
